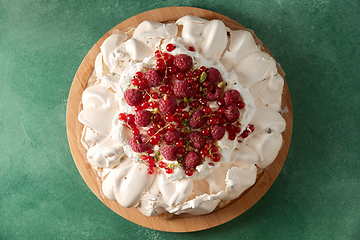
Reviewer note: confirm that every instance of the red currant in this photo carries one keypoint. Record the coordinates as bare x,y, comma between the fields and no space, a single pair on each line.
169,118
189,172
170,47
206,110
240,104
245,134
122,116
221,102
135,82
205,132
162,165
158,53
171,127
213,120
139,74
179,143
169,170
155,95
215,157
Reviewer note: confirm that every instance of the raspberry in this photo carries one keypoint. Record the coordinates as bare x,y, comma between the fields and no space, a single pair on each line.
183,62
171,137
138,143
169,152
197,119
182,89
167,104
197,140
143,118
213,75
153,78
232,114
232,97
192,159
213,93
133,97
217,131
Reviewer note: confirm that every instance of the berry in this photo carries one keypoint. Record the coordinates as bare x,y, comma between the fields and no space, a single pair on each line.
156,117
205,132
197,140
170,47
216,157
162,165
169,152
214,149
213,93
182,150
133,97
232,97
153,104
191,49
203,152
173,69
180,75
167,104
251,127
169,118
135,82
139,74
151,171
245,134
153,78
189,172
213,120
155,95
182,104
206,110
122,116
160,67
197,119
138,143
232,136
130,119
158,53
240,104
185,115
192,159
168,58
179,143
171,127
217,131
151,131
136,131
169,170
183,62
154,140
143,118
182,89
213,75
171,137
194,104
232,114
221,102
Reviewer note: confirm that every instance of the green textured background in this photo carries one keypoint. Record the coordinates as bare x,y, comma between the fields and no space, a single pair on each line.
317,194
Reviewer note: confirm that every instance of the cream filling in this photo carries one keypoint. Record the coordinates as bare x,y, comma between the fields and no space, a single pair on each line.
125,178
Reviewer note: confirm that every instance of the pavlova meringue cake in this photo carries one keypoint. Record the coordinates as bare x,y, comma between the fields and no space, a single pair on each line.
181,117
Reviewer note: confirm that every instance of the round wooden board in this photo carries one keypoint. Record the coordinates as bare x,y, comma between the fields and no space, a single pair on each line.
182,223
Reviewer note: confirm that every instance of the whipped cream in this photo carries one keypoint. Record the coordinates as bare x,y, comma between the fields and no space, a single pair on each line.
242,65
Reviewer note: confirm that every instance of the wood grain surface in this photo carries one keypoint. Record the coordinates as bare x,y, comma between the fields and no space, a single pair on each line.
182,223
